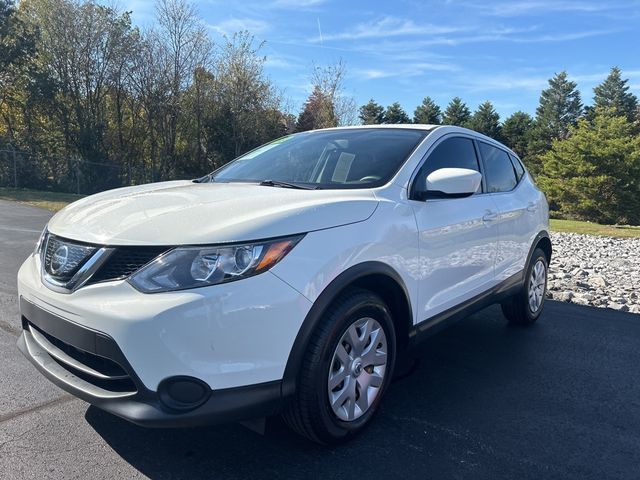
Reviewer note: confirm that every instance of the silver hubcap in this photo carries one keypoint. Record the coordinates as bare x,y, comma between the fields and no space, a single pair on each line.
357,369
537,283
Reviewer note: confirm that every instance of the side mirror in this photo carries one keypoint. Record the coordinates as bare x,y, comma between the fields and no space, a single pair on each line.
452,182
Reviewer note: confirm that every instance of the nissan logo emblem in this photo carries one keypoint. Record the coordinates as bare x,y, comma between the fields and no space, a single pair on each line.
59,259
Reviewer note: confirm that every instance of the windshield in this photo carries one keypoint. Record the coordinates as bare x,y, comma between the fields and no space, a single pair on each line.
350,158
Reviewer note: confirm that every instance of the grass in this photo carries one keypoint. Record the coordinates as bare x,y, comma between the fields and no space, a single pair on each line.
50,200
56,201
588,228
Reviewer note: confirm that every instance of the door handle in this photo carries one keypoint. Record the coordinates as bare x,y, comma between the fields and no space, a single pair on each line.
531,207
490,216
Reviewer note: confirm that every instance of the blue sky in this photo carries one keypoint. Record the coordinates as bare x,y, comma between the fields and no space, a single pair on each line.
502,51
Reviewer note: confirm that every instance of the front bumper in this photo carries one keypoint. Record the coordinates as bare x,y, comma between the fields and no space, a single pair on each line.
46,338
118,349
230,335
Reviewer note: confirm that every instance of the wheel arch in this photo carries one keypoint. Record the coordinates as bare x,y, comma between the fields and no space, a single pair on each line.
377,277
542,241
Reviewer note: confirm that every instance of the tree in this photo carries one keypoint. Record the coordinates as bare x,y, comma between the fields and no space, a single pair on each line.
185,47
150,88
371,113
396,114
317,112
83,84
594,174
457,113
613,95
428,112
559,108
486,121
101,104
17,48
245,100
17,43
337,108
516,132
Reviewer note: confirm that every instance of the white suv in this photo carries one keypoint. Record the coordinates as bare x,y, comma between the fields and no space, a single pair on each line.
288,281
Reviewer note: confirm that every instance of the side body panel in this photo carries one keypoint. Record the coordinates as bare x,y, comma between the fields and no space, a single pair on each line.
457,251
389,236
523,213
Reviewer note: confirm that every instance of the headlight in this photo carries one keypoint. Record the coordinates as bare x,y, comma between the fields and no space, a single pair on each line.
191,267
36,251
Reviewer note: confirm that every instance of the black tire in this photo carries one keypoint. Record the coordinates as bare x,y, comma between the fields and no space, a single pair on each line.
516,308
309,413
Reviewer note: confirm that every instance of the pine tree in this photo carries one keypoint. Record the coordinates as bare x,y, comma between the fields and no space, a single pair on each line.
516,132
396,114
560,107
318,112
457,113
486,121
613,94
428,112
594,174
371,113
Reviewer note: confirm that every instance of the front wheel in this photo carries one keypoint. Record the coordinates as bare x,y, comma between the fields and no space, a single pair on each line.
346,370
525,307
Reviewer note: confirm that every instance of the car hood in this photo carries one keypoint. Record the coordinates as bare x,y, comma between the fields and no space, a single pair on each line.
183,212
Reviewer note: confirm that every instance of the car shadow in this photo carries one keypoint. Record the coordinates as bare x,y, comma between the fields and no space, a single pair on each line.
480,399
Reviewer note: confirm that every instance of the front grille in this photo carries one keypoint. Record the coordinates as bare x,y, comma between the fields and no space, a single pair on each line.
99,371
124,261
63,258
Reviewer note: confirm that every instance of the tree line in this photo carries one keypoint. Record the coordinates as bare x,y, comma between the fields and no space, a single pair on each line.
94,100
585,158
80,85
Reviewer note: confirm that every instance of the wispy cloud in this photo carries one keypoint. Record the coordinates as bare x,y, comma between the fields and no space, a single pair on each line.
564,37
296,3
535,82
264,5
591,79
143,11
388,27
529,7
232,25
431,35
482,83
285,62
523,35
410,70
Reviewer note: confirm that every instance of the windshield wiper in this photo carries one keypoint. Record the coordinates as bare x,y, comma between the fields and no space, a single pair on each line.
278,183
206,179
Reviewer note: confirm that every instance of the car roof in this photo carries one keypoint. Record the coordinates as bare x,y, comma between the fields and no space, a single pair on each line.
444,129
391,126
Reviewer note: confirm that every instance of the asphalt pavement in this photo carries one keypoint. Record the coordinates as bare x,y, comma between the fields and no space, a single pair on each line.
560,400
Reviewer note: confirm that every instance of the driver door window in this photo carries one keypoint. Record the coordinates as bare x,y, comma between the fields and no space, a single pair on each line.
456,152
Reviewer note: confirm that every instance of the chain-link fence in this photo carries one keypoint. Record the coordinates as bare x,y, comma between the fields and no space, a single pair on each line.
19,169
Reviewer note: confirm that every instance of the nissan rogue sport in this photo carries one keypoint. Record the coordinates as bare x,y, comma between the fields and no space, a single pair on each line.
289,281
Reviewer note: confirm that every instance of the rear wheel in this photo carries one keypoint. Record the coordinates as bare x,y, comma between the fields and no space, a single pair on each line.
346,370
525,307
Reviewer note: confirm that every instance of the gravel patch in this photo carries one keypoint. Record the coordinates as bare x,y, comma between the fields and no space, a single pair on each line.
596,271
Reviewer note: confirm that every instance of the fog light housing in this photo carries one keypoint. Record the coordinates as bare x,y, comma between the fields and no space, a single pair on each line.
183,393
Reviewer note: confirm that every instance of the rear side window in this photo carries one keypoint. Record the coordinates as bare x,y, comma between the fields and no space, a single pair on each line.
456,152
517,166
499,172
